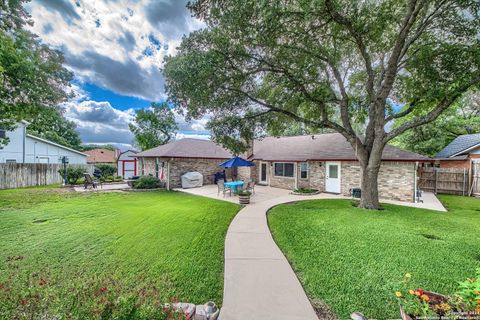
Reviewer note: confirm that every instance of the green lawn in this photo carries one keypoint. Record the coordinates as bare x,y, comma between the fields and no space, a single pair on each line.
108,255
353,259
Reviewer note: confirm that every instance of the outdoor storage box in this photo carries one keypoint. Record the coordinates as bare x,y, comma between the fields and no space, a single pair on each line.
192,180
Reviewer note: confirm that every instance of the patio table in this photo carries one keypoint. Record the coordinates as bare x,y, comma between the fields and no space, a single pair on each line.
233,184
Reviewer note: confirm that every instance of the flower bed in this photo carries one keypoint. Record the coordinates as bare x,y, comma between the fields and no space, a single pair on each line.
305,192
420,303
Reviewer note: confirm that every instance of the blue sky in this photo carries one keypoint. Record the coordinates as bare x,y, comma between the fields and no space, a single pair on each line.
115,50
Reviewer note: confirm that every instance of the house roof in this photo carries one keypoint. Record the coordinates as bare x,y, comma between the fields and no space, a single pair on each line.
330,146
460,145
188,148
55,144
102,156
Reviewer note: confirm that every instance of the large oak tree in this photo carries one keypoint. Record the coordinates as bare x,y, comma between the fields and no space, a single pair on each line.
326,64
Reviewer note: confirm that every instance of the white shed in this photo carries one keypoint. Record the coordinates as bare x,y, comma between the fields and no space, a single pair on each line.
26,148
127,164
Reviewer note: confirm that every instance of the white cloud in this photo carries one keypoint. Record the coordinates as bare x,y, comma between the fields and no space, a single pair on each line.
118,45
191,135
100,123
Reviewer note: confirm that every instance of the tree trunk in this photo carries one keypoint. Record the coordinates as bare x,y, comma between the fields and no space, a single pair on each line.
369,199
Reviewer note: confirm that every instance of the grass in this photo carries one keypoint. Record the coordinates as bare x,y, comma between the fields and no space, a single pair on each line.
108,255
353,259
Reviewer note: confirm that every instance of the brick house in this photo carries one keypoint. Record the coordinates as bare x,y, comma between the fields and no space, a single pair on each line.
170,161
460,153
325,162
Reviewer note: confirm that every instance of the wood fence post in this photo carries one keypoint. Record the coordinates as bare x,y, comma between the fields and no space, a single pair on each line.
436,178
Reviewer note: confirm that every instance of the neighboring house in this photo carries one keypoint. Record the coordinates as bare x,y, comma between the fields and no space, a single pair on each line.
181,156
27,148
103,156
326,162
127,164
460,152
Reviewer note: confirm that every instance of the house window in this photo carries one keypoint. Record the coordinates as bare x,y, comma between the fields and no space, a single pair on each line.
284,169
3,134
303,170
10,161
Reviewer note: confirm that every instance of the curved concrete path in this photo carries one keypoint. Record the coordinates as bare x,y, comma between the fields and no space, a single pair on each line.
259,281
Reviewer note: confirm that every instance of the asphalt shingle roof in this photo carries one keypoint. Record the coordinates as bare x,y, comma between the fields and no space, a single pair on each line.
461,143
188,148
330,146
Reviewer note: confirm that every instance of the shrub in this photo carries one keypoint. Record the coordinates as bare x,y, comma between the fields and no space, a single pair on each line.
305,190
243,193
106,170
73,174
147,182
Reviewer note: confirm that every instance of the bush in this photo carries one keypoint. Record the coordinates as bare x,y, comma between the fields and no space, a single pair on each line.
106,170
241,192
305,190
73,174
147,182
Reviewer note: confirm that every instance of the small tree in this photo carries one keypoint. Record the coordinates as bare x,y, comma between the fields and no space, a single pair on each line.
106,170
73,174
326,64
154,126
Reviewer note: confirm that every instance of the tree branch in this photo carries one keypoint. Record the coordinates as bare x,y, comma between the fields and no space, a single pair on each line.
410,108
435,112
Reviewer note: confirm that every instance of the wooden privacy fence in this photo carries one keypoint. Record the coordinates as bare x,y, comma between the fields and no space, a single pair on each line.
21,175
445,180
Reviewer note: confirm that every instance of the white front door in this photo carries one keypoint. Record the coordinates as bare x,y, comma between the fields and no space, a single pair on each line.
263,174
332,177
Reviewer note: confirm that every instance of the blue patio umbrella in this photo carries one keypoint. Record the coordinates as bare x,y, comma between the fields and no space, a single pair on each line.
236,162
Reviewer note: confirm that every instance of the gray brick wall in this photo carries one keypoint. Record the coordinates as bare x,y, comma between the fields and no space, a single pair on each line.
395,179
178,167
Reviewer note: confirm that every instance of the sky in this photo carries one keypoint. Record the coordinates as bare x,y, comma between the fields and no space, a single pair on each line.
115,48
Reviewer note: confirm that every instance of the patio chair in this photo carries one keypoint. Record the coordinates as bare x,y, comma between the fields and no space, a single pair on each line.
249,186
222,188
90,182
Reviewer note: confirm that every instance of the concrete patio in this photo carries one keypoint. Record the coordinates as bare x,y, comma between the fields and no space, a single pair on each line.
259,281
265,193
103,187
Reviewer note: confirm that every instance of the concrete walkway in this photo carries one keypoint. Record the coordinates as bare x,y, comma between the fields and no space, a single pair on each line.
259,281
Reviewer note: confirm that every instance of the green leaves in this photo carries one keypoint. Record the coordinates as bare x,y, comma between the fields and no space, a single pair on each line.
154,126
32,80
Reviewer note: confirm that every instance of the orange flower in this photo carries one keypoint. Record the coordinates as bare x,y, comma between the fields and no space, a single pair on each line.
424,297
477,292
444,306
418,293
398,294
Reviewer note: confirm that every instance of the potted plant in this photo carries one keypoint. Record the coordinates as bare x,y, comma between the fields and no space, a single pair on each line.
243,196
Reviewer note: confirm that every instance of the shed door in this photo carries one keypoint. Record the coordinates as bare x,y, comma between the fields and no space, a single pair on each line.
332,177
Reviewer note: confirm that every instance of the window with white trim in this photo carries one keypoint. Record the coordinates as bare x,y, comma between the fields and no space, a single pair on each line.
284,169
10,161
304,170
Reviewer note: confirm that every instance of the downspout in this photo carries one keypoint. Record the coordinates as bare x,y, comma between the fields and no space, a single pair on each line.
415,183
24,142
168,175
296,175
